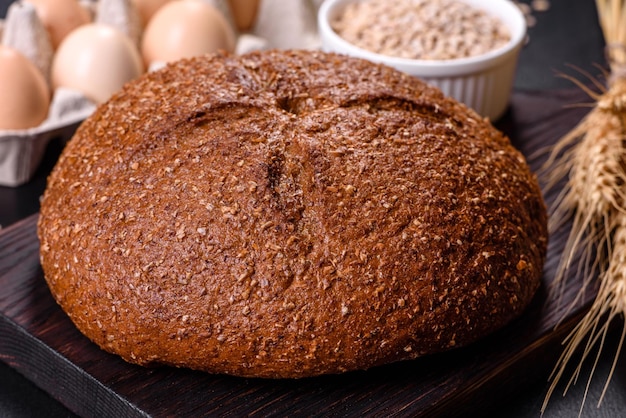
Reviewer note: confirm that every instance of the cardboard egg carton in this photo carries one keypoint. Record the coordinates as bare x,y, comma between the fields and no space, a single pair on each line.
279,24
21,151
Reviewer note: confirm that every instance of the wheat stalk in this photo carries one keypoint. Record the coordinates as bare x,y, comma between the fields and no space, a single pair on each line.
593,155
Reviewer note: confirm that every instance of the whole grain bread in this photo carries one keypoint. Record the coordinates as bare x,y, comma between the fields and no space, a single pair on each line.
288,214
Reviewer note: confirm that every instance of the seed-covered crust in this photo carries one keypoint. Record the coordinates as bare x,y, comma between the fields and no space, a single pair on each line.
288,214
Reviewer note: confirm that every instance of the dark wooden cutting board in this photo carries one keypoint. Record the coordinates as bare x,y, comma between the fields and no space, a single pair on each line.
38,340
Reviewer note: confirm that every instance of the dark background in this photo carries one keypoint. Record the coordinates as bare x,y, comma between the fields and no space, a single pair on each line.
565,35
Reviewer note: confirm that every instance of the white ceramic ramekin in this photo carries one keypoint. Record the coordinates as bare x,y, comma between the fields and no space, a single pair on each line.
482,82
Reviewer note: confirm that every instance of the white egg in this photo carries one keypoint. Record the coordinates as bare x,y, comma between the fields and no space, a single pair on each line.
185,28
24,97
96,60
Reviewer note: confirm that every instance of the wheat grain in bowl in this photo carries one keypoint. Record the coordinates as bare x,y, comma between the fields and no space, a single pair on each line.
421,29
483,82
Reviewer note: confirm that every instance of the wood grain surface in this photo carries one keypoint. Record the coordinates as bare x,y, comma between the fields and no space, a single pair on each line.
38,340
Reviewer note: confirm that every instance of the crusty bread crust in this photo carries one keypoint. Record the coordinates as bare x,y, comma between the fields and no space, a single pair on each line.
288,214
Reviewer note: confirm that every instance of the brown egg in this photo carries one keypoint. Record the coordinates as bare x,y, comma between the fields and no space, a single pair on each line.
244,13
183,29
96,60
147,9
25,97
60,17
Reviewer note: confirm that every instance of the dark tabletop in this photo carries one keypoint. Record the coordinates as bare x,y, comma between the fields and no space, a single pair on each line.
565,35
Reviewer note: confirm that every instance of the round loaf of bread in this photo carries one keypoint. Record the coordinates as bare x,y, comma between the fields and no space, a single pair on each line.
288,214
